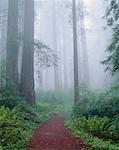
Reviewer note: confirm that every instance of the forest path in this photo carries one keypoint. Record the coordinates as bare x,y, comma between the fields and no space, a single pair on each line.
54,136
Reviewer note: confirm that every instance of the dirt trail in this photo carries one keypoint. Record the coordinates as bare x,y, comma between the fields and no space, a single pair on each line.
54,136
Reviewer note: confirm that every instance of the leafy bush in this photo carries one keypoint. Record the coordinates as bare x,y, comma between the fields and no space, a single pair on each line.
96,118
18,119
99,133
9,100
14,130
99,103
17,124
57,97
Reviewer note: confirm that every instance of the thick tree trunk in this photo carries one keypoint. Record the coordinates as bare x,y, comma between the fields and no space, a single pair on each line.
56,70
86,77
76,77
27,71
63,36
12,46
3,40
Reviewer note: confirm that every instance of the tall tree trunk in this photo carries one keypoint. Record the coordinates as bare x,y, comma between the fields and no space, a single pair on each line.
21,31
27,71
65,67
64,48
3,40
86,76
60,54
4,7
76,77
12,46
40,79
56,71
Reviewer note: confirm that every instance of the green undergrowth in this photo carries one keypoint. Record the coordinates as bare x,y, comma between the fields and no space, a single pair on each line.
98,133
18,119
17,124
98,103
95,118
55,97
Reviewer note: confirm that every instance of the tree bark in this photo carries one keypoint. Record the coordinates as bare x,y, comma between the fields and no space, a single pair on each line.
56,70
12,46
3,40
76,77
86,76
27,71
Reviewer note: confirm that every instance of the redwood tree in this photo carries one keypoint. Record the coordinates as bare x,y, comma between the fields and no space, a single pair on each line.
27,71
76,76
55,38
86,76
12,46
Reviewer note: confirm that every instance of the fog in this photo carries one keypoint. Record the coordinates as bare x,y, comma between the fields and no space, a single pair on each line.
96,36
53,30
59,74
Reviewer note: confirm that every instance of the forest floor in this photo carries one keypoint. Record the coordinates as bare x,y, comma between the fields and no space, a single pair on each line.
54,136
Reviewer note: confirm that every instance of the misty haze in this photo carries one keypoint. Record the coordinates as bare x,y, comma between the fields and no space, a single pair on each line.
59,74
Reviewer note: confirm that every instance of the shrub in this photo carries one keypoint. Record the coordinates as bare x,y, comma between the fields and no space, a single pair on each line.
9,100
13,128
98,133
57,97
99,103
96,118
17,124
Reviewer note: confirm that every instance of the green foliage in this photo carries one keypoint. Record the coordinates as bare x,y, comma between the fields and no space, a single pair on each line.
2,72
9,100
98,133
18,119
99,103
112,12
96,118
112,61
57,97
14,129
17,124
45,55
112,17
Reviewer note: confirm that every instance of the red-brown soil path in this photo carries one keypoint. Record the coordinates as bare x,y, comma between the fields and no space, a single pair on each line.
54,136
